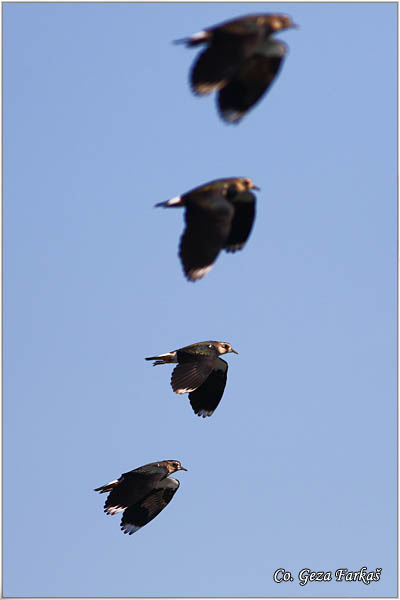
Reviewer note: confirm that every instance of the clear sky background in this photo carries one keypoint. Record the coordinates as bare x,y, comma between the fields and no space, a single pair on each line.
297,467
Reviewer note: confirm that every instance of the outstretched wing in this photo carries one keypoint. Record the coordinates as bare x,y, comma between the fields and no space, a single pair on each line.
127,490
191,371
229,45
205,399
208,223
215,65
141,513
250,81
242,223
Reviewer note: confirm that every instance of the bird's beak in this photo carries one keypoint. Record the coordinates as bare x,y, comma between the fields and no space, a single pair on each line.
255,187
182,468
234,351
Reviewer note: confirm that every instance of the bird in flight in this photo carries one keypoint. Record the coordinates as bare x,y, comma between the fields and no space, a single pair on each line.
240,61
199,372
142,493
219,215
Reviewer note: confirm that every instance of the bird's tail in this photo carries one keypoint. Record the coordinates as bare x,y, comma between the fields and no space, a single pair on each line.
176,201
163,359
107,487
195,39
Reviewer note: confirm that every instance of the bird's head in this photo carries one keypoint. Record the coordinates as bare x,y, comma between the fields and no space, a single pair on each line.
278,22
174,465
224,348
245,183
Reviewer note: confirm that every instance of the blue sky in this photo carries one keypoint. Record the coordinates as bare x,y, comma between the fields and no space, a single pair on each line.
297,467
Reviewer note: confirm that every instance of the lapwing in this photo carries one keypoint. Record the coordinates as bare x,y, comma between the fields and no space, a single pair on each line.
199,372
142,493
219,215
240,61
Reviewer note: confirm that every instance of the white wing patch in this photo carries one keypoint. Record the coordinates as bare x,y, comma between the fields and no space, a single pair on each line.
113,510
195,274
205,88
185,390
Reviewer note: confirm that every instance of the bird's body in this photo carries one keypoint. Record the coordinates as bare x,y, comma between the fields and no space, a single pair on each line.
219,215
200,373
142,493
240,61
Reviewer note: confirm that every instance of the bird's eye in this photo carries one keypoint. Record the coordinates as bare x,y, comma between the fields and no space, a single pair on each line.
226,346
